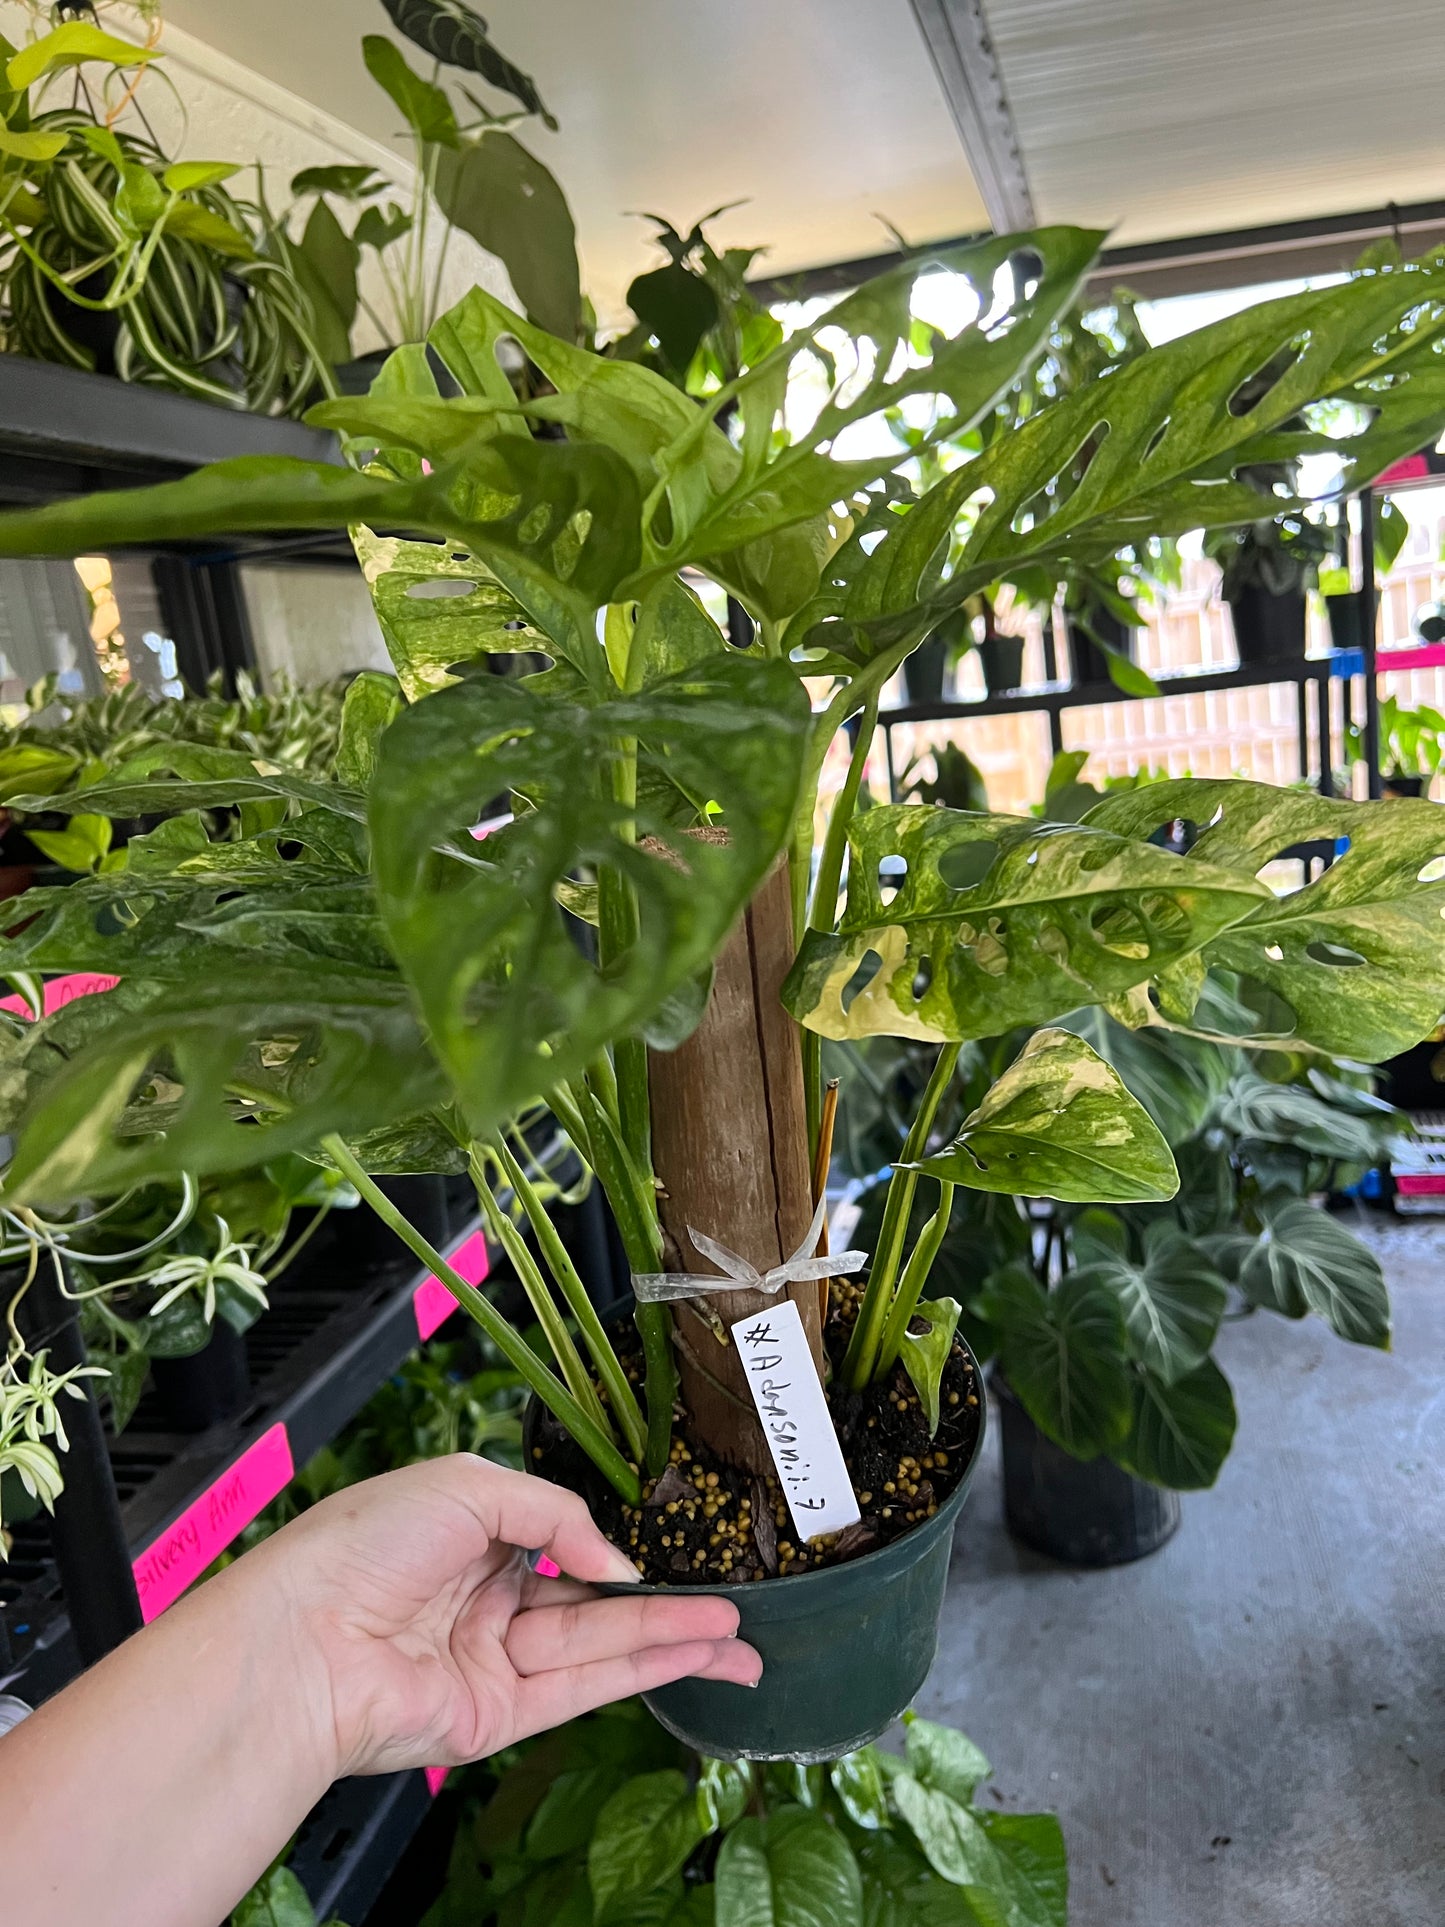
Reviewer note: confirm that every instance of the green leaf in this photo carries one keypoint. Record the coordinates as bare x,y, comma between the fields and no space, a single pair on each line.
1356,955
187,222
1306,1262
494,190
371,704
511,1004
438,607
140,200
564,1822
225,1074
352,183
858,1782
71,45
425,108
1293,1114
677,308
1031,1846
29,766
900,1889
457,36
333,258
1177,1079
183,177
724,1788
793,1869
943,1758
644,1835
277,1900
1157,449
999,921
1173,1300
32,147
1060,1124
951,1837
1180,1434
924,1354
82,847
1065,1353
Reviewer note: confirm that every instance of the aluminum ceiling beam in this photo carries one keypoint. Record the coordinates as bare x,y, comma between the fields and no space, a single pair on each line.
961,50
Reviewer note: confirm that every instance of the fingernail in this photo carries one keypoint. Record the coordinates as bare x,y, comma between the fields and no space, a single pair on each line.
548,1568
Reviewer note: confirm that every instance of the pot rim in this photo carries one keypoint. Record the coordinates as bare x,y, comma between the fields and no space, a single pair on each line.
754,1588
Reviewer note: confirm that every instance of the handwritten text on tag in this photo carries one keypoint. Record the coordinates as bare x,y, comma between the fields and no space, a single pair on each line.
784,1382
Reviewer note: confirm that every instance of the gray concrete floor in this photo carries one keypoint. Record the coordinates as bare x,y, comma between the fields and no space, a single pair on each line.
1247,1729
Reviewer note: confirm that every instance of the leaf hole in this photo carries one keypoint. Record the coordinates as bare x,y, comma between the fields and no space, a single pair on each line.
922,980
1274,953
965,865
869,964
1338,954
1119,927
891,872
1433,871
439,588
1256,388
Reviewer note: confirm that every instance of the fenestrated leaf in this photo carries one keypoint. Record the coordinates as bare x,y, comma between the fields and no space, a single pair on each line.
1166,437
1181,1433
222,1074
1172,1299
556,521
999,921
1065,1353
1358,954
791,1870
437,606
495,190
1307,1262
1060,1124
172,777
510,1002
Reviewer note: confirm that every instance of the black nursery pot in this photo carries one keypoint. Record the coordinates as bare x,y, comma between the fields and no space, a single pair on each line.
925,669
845,1650
360,1239
1090,663
211,1385
1268,628
1396,785
1344,617
1003,663
1080,1512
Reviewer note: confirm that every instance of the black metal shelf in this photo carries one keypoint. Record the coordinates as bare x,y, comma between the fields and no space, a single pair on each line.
1054,698
316,1357
66,432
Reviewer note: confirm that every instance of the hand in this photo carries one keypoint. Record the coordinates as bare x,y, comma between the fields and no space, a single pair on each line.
426,1640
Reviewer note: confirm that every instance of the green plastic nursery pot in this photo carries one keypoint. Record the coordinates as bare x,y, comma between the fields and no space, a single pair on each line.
845,1650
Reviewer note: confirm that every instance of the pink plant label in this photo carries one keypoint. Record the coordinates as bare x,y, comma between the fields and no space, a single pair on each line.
436,1779
61,991
207,1527
431,1300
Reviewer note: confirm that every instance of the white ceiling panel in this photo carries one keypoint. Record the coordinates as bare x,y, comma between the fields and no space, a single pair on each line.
822,115
1174,117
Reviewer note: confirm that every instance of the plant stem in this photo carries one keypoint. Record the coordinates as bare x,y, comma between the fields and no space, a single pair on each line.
823,913
861,1361
538,1296
915,1277
513,1347
614,1379
634,1206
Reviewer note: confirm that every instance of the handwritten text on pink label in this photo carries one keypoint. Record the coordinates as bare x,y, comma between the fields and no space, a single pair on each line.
207,1527
432,1301
60,991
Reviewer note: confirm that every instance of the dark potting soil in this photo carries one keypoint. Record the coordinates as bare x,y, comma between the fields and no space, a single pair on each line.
705,1522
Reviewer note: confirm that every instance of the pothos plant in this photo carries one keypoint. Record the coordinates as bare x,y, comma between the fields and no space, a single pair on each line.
609,1819
366,979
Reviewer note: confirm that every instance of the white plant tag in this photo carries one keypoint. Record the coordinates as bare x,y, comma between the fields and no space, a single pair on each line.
794,1414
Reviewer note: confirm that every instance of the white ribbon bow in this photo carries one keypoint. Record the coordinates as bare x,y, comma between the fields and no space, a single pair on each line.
660,1287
